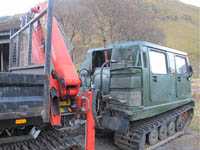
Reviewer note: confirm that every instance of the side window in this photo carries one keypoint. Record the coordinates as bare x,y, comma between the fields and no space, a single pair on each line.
99,57
158,62
181,66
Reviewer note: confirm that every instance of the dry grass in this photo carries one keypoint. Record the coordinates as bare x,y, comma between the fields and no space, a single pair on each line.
196,95
196,83
196,120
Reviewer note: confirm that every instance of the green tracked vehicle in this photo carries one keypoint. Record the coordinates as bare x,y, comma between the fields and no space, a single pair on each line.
141,91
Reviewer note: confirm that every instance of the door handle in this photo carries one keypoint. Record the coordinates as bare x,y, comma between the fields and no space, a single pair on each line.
179,79
154,78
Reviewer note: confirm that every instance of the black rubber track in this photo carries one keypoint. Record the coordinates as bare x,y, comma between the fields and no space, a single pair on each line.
50,139
139,129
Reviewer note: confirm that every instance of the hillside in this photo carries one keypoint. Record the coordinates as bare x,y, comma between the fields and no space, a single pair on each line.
180,22
167,22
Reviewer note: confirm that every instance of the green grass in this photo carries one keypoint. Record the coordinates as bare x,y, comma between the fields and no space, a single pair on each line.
77,66
180,34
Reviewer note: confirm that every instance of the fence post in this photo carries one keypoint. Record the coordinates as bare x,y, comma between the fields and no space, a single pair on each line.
30,44
11,47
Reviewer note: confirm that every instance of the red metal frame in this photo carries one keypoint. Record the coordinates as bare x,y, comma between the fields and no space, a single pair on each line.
90,132
64,67
60,57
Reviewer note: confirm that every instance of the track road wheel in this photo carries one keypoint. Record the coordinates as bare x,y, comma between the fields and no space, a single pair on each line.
179,123
162,132
152,137
187,117
171,128
143,142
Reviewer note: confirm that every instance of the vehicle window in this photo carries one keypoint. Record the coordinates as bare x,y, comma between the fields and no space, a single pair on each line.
181,66
98,57
158,62
127,55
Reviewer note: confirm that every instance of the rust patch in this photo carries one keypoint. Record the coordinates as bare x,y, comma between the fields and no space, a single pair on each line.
115,119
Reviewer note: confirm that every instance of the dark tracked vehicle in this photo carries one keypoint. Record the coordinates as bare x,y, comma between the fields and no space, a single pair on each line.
141,91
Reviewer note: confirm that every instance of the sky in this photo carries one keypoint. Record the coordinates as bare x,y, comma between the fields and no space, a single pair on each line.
11,7
192,2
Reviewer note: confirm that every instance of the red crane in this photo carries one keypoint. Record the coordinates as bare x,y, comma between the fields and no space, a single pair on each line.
64,80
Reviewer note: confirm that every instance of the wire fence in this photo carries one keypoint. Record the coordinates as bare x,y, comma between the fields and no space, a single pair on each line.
27,46
20,56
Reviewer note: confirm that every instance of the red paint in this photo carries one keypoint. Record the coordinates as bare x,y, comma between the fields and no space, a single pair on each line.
64,67
90,131
90,139
60,58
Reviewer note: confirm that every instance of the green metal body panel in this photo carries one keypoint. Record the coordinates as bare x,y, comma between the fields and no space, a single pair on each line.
142,112
125,86
132,86
106,80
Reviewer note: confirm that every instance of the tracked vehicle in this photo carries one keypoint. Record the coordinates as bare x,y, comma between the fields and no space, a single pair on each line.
141,91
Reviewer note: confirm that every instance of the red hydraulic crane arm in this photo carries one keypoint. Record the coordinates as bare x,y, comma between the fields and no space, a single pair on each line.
64,80
61,59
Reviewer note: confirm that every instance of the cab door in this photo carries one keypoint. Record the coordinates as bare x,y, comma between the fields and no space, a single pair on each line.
160,84
183,87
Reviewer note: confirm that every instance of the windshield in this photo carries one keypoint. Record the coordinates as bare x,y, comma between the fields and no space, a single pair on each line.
126,54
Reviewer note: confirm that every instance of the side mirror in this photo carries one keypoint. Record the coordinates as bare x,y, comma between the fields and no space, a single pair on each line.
190,71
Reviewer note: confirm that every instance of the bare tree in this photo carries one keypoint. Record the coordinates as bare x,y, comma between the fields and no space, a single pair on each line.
122,20
68,15
87,23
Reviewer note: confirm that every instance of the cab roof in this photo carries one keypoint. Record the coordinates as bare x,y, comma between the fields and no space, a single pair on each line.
139,43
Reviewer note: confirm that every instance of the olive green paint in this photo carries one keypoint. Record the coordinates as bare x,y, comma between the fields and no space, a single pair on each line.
130,83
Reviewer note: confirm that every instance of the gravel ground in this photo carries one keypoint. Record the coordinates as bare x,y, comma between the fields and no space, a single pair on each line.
189,141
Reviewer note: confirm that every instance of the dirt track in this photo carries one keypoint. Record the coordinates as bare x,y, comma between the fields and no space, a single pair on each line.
189,141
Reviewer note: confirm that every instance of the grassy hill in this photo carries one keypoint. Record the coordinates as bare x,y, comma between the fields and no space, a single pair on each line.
180,22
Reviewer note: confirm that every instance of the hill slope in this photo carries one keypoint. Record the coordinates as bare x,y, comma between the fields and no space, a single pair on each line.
180,22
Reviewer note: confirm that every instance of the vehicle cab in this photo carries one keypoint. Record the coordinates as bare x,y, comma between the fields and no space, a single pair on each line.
139,79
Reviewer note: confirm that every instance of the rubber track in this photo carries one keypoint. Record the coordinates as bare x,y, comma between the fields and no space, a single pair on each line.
134,138
50,139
